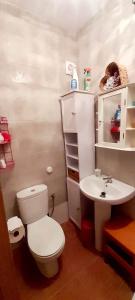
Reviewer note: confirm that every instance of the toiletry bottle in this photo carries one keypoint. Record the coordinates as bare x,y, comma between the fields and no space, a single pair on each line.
87,79
117,115
74,80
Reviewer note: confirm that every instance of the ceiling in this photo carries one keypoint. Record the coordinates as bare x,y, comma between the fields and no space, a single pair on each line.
68,15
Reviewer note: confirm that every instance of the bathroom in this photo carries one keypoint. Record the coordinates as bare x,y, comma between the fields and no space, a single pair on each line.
37,38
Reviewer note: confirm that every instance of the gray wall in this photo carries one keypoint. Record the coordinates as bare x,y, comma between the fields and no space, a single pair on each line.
32,78
38,52
110,37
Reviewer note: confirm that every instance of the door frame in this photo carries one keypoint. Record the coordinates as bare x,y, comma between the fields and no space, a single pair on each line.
8,278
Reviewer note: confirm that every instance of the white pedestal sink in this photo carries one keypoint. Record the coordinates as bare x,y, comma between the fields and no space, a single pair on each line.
116,193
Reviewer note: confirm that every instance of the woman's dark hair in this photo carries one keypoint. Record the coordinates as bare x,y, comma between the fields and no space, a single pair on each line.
113,70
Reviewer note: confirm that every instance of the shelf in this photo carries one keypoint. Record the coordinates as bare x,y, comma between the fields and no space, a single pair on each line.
130,107
4,142
71,144
70,131
71,138
72,156
131,129
8,165
73,168
115,148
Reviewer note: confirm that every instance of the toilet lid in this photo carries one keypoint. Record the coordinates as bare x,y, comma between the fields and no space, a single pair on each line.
45,236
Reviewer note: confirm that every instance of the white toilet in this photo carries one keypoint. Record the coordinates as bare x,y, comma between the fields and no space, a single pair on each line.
45,236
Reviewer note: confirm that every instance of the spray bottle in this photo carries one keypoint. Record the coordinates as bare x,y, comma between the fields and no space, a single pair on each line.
74,80
87,78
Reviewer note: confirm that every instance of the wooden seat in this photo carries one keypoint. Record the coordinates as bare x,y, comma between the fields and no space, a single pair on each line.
119,243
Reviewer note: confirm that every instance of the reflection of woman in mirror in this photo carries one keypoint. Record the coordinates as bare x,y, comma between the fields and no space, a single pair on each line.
111,78
115,75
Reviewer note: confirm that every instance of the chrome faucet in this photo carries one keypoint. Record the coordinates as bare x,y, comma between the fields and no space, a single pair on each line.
108,179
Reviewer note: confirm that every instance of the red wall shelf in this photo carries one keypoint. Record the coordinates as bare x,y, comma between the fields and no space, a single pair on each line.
6,156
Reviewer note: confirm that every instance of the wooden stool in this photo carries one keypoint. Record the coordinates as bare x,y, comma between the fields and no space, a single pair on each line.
119,244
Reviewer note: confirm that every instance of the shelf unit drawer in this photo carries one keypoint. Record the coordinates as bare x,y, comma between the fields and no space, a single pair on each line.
69,113
73,174
119,245
74,201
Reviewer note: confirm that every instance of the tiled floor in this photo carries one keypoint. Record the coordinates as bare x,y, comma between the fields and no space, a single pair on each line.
83,275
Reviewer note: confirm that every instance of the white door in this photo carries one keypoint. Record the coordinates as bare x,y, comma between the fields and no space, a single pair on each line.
74,201
69,113
111,128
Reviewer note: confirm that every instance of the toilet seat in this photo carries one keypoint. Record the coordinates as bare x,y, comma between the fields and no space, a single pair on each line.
45,237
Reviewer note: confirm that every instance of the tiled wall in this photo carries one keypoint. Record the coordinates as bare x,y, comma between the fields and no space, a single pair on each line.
110,37
32,78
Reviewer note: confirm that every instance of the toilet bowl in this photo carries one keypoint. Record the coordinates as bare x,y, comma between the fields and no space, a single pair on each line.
46,242
45,236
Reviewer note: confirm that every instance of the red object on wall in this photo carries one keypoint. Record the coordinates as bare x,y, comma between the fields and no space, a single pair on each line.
87,232
6,135
6,156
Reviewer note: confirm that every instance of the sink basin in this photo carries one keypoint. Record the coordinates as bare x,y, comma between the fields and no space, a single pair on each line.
104,196
116,192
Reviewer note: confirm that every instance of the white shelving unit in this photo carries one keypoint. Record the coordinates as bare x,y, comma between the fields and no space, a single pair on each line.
78,129
122,135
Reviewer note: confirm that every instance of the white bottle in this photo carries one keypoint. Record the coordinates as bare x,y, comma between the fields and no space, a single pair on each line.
75,81
1,138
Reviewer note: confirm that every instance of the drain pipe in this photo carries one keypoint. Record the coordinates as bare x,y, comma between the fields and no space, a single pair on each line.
52,198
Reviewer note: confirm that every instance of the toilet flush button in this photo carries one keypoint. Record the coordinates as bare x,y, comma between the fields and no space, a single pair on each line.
49,170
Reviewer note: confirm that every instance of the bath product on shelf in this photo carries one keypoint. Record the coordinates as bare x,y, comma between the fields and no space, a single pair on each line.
73,84
1,138
117,115
6,136
97,172
74,80
87,79
2,163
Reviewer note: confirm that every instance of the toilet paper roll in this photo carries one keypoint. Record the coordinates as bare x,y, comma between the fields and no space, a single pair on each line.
16,229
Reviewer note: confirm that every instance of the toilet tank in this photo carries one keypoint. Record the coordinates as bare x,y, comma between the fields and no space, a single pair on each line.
33,203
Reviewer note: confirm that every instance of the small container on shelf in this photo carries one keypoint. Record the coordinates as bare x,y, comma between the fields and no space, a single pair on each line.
2,163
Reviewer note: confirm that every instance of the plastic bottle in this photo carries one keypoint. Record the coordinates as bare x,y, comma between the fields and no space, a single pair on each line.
87,79
74,80
117,115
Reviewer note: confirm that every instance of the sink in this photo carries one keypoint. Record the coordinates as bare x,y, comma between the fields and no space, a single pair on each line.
104,196
116,192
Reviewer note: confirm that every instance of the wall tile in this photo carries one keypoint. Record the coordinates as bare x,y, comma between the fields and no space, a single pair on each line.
32,78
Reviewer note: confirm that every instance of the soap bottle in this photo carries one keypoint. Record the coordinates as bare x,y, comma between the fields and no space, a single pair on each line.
74,80
87,79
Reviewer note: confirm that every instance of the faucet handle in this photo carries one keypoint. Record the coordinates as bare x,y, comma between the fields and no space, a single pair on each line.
107,177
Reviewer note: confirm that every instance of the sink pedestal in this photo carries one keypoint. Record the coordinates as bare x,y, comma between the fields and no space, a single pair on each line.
102,214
